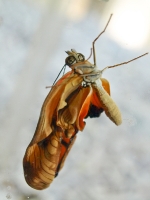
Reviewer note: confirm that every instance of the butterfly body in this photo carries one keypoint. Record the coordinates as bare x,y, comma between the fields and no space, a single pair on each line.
92,77
78,94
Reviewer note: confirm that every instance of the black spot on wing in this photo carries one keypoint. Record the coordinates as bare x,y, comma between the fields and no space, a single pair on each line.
94,111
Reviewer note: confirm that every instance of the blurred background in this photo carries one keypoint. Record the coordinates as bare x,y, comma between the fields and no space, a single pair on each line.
106,162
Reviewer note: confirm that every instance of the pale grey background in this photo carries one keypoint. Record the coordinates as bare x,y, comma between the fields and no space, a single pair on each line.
106,162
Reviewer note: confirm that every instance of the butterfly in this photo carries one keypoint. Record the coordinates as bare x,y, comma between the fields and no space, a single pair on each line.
80,93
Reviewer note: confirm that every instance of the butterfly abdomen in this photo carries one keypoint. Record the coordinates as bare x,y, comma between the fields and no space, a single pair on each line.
109,106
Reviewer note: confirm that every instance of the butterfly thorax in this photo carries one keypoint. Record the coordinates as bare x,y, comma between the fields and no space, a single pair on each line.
76,61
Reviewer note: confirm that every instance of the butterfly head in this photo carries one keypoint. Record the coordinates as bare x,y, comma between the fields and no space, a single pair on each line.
74,57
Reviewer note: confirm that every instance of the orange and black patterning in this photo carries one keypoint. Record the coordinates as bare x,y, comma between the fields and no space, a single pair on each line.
79,94
43,160
62,115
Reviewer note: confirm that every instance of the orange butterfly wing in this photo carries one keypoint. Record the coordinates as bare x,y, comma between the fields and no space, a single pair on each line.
42,156
62,115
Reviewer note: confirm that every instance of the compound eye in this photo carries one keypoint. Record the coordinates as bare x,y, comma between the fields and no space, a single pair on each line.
80,57
70,60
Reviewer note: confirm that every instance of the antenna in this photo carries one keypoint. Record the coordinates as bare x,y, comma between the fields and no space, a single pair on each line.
93,43
64,67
